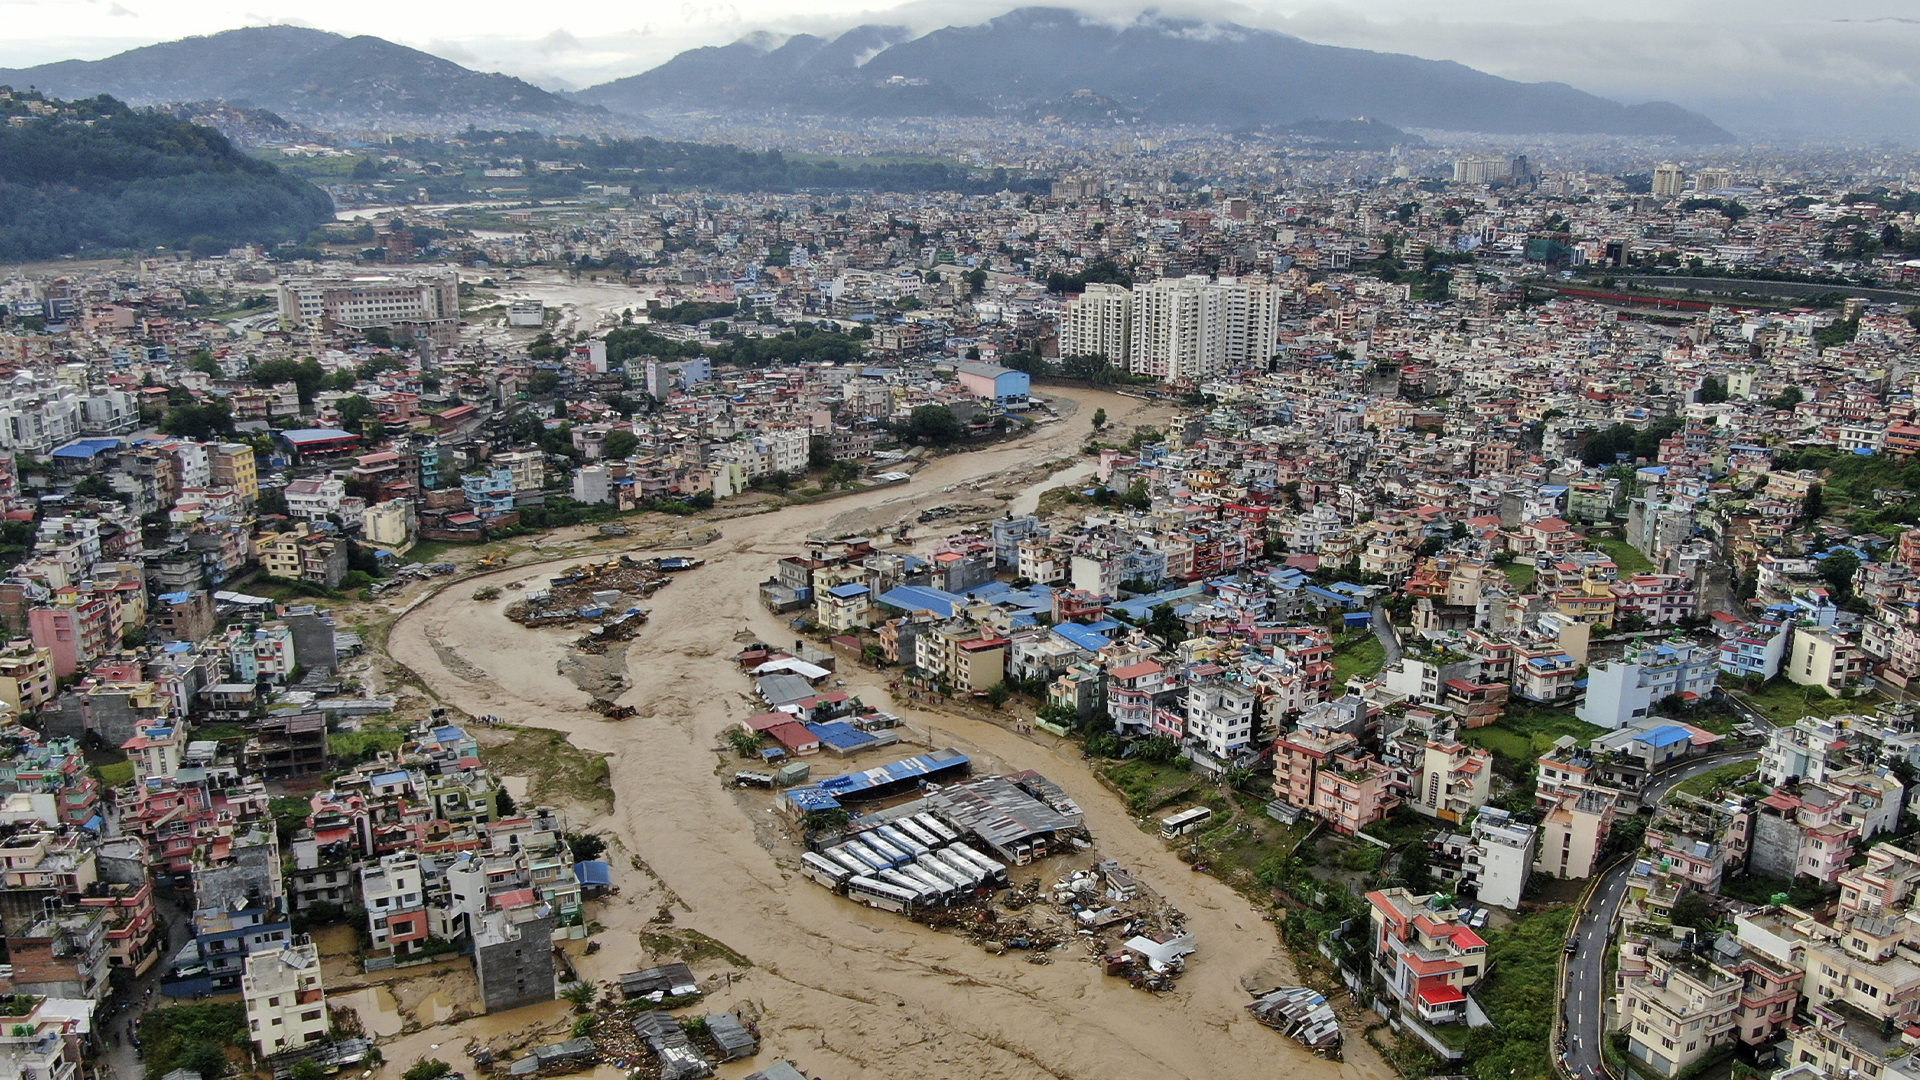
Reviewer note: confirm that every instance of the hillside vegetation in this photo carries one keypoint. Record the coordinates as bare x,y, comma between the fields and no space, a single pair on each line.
95,174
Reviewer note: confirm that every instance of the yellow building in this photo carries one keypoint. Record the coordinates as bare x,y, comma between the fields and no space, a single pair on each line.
26,677
231,465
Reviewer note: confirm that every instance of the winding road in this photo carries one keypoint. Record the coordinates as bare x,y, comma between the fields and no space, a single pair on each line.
1584,995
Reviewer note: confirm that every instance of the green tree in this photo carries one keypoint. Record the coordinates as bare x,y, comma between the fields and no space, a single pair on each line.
203,1057
204,363
976,282
1099,419
585,847
426,1069
1165,624
200,422
544,382
1713,390
1692,909
1837,570
935,424
1814,506
1415,870
620,445
307,1069
354,409
744,742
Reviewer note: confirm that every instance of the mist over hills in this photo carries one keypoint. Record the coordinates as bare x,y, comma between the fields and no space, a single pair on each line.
1165,69
313,77
1031,63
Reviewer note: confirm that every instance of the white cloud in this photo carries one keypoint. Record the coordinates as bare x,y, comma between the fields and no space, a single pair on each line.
1750,63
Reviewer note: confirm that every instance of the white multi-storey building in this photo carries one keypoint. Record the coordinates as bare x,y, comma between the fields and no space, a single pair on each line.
427,304
1099,323
286,1003
1189,328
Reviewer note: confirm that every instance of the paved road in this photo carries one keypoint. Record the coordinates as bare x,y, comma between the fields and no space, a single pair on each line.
1584,998
1389,639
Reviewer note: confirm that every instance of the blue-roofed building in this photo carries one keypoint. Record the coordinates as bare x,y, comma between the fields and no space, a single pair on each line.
84,450
896,778
310,444
844,607
911,598
1620,692
1082,636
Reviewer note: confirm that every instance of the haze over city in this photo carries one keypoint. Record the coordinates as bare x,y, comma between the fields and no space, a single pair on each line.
1764,69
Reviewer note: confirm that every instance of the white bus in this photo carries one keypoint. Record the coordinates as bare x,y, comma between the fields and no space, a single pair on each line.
995,870
913,830
824,870
880,894
1184,822
937,827
899,838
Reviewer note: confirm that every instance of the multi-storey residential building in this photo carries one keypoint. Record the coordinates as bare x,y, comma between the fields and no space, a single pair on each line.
1622,691
1454,779
394,895
424,307
1502,855
1574,832
285,1000
1680,1012
1424,957
1220,717
26,677
46,1040
1099,322
1658,598
1352,791
1826,657
1804,832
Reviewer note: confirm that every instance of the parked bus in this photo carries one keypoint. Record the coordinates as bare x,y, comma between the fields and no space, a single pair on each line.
937,827
1184,822
880,894
899,838
994,869
873,859
917,832
824,870
940,868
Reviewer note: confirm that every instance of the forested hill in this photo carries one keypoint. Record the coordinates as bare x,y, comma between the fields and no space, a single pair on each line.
729,168
94,174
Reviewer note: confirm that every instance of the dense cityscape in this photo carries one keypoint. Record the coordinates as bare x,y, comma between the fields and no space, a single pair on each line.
1450,599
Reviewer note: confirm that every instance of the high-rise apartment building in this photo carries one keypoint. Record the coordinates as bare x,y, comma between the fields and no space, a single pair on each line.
1098,322
1667,180
1189,328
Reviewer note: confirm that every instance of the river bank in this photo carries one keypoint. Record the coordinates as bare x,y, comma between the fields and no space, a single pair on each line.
842,990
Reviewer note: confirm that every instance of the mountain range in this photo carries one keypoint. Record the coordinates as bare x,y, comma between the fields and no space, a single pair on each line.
1039,60
316,78
1031,63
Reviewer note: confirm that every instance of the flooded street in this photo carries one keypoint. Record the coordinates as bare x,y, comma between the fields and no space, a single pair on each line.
846,991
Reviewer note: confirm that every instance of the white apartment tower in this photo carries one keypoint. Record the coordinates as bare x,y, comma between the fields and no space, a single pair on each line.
1667,180
1098,322
1187,329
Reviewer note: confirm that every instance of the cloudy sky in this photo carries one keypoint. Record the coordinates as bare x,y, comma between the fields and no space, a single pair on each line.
1759,67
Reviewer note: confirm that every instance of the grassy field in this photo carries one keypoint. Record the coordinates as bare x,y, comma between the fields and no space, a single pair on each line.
556,770
1520,576
1624,556
1722,777
1357,652
1147,786
1785,703
1529,730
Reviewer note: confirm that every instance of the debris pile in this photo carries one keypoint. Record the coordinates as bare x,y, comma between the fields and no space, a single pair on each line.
588,592
1303,1013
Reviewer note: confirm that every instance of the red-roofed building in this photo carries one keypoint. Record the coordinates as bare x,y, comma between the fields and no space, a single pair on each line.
794,738
1424,956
